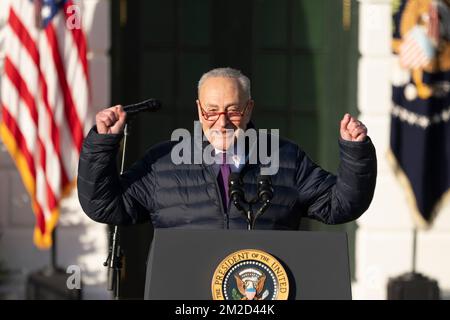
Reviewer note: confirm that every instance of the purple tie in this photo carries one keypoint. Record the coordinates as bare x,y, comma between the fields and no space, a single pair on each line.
224,175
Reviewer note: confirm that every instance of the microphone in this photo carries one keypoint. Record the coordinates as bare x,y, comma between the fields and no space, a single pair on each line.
149,105
265,189
235,189
265,194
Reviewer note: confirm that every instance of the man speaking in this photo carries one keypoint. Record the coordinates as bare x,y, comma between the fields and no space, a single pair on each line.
196,195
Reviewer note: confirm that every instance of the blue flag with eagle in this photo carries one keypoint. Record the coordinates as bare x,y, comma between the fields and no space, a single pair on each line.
420,126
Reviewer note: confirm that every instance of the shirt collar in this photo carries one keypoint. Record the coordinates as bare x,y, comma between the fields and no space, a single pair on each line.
234,159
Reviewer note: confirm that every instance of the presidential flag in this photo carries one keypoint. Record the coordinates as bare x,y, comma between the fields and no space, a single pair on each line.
420,117
45,102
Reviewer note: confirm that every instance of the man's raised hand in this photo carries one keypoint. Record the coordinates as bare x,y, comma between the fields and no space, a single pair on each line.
111,120
352,129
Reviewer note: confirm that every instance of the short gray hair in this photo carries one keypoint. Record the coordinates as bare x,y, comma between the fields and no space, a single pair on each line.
243,80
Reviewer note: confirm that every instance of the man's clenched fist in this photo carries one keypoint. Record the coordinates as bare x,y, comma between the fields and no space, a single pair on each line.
111,120
352,129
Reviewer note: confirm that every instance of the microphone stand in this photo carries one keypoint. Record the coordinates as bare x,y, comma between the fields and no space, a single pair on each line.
250,223
115,255
260,211
237,197
248,213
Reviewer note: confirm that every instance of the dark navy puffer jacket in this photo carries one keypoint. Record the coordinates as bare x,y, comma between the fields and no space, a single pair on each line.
187,195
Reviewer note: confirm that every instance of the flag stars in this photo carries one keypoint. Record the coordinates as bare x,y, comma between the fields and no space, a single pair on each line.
46,12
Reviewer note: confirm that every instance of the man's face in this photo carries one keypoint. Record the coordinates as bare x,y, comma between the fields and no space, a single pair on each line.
218,95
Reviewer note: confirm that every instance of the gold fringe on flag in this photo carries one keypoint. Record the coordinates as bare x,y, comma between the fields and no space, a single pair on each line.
418,219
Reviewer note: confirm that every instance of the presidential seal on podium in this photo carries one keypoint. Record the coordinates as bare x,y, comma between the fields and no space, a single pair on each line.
250,275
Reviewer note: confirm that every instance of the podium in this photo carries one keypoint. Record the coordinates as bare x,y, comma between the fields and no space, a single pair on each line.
182,263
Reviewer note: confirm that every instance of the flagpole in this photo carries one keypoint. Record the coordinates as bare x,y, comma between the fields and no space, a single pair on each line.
53,252
115,255
52,267
414,250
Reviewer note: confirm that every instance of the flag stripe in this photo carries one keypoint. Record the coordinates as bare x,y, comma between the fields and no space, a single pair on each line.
19,112
39,160
20,140
69,108
27,42
54,133
29,72
70,59
16,145
412,54
51,200
22,88
25,96
56,102
80,41
24,36
45,103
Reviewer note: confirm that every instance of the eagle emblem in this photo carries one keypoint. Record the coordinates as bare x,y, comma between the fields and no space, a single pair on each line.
422,43
250,283
250,274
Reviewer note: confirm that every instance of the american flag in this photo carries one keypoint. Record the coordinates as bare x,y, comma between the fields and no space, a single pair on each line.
418,47
416,50
45,102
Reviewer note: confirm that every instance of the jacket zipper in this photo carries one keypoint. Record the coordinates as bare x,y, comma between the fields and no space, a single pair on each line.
219,197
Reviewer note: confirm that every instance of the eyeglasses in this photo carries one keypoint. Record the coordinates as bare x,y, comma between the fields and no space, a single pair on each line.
233,115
